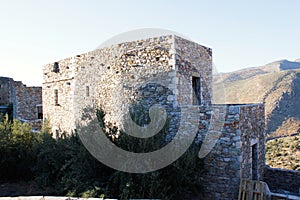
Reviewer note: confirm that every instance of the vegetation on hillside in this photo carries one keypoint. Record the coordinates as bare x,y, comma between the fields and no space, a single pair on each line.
284,153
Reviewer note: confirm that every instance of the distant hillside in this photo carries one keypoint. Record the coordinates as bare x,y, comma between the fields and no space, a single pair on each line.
277,84
280,66
284,153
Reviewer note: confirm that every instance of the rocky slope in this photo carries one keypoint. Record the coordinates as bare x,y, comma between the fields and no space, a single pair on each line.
277,84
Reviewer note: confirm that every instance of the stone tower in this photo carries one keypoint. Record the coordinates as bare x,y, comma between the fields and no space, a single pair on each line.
110,76
176,73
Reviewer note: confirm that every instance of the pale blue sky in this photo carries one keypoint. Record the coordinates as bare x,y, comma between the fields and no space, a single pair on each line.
241,33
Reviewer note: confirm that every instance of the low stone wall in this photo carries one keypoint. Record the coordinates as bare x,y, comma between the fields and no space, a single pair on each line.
282,179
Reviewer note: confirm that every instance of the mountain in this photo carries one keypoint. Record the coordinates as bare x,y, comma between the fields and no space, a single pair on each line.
277,84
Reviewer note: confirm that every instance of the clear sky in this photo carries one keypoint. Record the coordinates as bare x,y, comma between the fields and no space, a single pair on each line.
241,33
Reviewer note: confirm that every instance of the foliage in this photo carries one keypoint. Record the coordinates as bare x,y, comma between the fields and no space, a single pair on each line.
62,166
66,166
180,179
16,144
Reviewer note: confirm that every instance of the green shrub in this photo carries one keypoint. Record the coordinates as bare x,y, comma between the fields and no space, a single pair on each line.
178,179
16,155
64,165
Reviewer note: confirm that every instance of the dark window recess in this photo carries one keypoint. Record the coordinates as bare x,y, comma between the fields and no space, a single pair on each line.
40,111
254,162
56,67
56,97
56,133
68,83
87,91
196,90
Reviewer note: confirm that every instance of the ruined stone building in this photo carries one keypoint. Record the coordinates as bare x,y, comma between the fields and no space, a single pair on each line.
176,73
24,102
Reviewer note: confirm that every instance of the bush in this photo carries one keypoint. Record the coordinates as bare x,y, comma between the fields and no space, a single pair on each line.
67,168
16,155
65,165
179,179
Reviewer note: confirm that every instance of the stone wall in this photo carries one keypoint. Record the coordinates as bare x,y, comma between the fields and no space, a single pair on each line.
252,128
118,76
24,100
231,158
279,180
192,60
6,91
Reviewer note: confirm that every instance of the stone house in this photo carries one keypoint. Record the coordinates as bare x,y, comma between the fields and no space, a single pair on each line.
26,102
171,71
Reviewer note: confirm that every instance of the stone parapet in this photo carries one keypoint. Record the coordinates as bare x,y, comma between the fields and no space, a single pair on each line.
280,180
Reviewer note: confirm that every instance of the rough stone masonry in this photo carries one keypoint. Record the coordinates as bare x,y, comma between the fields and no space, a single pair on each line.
172,71
26,101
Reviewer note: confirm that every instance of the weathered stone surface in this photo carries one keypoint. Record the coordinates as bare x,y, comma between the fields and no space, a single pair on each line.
117,75
6,91
24,100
